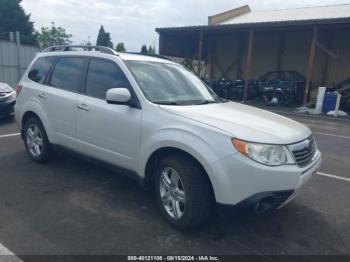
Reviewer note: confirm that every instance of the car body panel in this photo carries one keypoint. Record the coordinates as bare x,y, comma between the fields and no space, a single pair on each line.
109,132
128,136
246,122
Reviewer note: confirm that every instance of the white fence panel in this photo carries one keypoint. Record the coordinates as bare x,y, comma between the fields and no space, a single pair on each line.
9,70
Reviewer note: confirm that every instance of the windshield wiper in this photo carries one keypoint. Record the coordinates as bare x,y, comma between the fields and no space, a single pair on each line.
166,103
206,102
223,100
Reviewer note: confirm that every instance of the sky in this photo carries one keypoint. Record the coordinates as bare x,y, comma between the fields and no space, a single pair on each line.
134,21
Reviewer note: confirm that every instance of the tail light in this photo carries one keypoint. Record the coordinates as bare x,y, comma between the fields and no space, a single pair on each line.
19,88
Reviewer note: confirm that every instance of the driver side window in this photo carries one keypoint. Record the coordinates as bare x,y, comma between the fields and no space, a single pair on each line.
104,75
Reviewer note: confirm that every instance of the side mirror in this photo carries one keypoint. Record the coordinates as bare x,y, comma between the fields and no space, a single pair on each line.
118,96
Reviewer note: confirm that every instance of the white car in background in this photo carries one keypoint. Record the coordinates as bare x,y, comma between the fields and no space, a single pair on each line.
159,123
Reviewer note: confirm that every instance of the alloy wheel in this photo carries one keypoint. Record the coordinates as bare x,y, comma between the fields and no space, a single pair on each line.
34,140
172,192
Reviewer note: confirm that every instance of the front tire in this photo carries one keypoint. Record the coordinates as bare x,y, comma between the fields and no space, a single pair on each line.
36,142
183,192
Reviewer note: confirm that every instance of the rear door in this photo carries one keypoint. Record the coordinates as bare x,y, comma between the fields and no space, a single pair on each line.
34,82
64,84
108,132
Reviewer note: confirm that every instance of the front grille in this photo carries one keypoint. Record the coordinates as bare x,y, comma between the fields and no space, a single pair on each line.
304,151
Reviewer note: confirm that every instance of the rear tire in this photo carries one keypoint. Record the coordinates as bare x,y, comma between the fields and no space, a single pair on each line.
187,203
36,142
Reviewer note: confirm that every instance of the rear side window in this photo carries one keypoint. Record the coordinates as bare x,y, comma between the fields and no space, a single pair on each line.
40,69
102,76
67,73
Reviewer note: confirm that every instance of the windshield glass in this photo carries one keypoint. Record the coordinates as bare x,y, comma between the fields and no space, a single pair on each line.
170,84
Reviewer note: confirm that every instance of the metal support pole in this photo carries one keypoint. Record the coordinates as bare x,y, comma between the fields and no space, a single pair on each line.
210,59
12,37
18,44
161,44
248,64
240,56
310,66
282,47
200,53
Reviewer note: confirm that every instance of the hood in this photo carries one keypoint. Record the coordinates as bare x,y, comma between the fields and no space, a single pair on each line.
5,88
245,122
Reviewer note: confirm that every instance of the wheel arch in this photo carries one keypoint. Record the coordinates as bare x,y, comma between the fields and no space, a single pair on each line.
27,115
162,152
32,114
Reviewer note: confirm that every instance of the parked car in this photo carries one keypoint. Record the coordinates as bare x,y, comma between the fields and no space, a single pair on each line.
7,100
284,87
160,124
233,89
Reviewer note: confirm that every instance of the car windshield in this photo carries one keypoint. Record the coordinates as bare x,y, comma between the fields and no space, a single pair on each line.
170,84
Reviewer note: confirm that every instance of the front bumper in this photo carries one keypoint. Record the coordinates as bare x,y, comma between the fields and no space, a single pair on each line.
238,179
7,108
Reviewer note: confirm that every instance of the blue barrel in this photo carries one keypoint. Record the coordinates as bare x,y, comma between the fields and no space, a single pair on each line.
330,102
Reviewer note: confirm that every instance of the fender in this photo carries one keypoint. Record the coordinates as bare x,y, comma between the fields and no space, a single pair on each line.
33,106
203,151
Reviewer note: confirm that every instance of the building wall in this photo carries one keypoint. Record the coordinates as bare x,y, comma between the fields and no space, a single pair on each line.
339,71
265,54
266,49
225,51
9,72
297,51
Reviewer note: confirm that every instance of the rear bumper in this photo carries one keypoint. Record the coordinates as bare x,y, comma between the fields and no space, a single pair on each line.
7,108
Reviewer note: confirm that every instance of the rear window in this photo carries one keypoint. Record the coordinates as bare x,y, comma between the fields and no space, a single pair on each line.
67,74
40,69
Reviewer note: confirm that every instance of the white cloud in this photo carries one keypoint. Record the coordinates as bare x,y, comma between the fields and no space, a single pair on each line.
133,22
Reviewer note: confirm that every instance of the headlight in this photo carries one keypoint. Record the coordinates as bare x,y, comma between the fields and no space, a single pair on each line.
13,95
9,96
270,155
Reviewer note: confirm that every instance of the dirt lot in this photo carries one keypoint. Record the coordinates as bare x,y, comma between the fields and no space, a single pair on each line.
71,206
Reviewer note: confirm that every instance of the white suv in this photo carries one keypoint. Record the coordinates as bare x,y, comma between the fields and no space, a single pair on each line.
163,126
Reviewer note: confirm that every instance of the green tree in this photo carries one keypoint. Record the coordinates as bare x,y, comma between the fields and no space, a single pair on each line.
144,49
13,18
120,47
104,38
101,37
53,36
151,50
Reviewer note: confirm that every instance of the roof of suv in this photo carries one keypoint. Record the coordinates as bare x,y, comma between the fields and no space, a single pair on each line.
102,52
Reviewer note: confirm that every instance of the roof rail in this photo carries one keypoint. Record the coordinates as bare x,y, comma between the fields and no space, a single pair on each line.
102,49
152,55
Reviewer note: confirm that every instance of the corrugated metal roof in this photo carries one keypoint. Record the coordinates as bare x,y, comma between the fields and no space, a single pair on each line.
332,14
297,14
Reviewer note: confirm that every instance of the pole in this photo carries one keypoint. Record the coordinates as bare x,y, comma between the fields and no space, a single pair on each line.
310,66
18,44
200,53
248,64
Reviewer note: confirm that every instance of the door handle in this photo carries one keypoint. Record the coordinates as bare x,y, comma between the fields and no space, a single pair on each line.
42,95
83,107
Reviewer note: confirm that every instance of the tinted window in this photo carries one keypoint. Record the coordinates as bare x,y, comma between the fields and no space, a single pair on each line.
40,69
67,73
102,76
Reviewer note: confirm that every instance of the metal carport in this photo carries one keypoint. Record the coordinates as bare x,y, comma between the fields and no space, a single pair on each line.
243,43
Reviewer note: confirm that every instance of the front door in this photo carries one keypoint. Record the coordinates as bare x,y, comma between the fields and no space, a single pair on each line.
105,131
